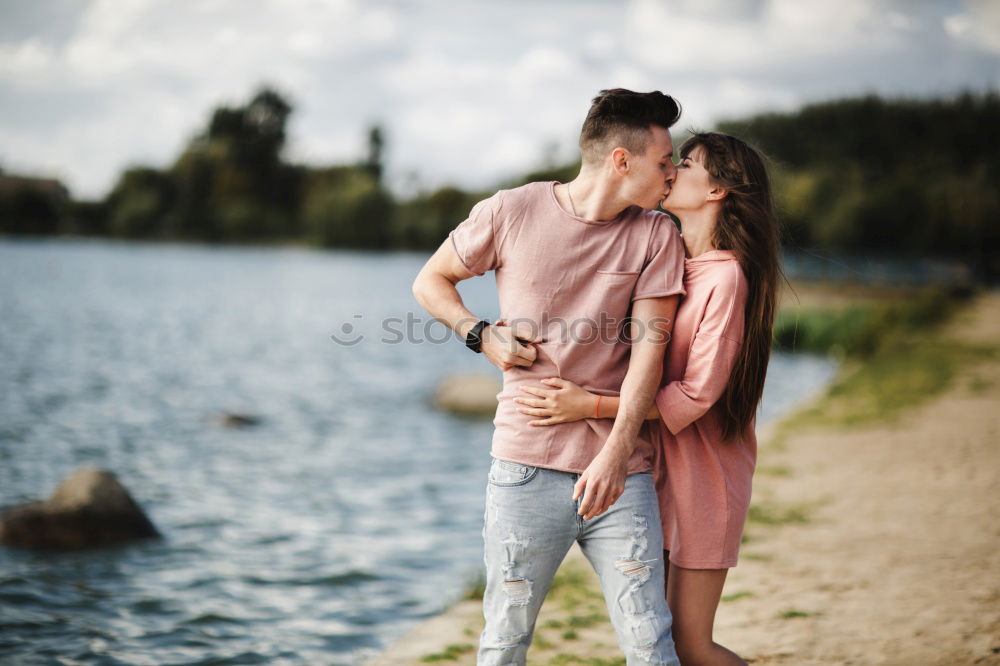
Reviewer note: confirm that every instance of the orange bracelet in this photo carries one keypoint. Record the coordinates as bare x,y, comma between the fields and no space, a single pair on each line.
597,409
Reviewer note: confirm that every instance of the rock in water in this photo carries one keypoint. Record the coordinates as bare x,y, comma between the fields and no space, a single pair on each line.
233,420
90,508
471,395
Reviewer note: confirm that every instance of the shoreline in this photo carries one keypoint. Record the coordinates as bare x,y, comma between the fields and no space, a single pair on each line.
871,541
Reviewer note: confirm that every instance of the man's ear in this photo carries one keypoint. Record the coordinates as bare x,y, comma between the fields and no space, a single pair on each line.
620,160
717,194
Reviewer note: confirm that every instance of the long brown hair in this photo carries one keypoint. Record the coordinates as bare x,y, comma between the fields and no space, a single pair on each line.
748,227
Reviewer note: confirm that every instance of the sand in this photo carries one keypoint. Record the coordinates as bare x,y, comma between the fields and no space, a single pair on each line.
876,545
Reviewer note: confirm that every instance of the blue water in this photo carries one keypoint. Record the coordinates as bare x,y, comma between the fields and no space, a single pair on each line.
351,512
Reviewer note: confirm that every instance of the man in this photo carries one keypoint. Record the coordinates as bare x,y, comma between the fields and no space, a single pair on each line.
577,265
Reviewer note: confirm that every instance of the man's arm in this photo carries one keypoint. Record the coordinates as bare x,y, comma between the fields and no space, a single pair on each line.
434,288
603,482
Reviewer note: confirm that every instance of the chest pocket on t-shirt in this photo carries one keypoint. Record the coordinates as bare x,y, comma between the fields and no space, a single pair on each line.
617,278
616,286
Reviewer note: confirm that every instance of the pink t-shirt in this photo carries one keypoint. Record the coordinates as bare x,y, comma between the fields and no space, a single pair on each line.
575,279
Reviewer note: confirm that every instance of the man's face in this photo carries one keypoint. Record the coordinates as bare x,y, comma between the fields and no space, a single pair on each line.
651,174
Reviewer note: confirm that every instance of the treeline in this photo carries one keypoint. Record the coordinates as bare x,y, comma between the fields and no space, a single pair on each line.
231,184
905,178
898,177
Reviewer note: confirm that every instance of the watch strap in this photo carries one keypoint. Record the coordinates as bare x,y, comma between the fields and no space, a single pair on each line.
474,339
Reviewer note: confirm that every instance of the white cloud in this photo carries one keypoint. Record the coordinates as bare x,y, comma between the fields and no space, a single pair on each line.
601,44
25,60
978,26
469,92
543,63
379,26
671,38
431,73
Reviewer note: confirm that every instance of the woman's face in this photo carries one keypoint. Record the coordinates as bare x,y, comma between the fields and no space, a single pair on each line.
693,186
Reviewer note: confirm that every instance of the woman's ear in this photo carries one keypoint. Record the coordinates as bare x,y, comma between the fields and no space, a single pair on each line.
717,194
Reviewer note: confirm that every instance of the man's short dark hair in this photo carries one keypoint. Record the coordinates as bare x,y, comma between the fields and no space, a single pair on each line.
620,117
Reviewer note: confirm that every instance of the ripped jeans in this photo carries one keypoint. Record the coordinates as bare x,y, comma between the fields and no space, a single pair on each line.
530,524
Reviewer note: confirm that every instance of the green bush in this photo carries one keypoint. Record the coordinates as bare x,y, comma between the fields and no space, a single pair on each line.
861,330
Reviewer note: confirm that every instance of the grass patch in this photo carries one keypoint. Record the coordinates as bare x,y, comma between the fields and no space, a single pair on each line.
770,514
863,329
572,588
757,557
564,659
892,358
822,331
571,577
980,385
881,387
736,596
476,588
574,602
450,653
775,470
584,621
793,613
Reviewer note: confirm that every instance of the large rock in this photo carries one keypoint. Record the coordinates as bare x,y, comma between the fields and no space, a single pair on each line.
90,508
469,395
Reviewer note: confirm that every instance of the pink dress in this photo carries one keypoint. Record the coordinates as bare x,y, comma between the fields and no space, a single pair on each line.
702,482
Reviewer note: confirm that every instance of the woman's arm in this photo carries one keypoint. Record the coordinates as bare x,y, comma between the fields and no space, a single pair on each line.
711,357
684,401
567,401
678,403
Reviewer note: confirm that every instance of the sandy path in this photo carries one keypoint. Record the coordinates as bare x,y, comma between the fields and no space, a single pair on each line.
899,560
884,547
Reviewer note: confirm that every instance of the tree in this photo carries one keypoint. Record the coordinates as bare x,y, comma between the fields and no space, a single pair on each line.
346,207
373,161
906,177
231,180
139,203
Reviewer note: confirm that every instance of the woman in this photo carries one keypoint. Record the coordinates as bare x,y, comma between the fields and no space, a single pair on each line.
713,380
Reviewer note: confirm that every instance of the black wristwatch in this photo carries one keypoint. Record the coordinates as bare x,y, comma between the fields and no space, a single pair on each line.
474,340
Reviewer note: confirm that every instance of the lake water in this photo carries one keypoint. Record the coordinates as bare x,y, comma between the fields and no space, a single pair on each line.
350,513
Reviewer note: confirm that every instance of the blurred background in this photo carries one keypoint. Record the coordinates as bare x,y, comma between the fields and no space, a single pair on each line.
211,214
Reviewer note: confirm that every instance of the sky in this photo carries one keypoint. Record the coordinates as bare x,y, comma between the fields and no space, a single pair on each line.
469,92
